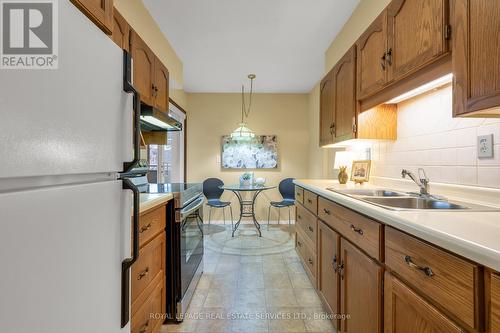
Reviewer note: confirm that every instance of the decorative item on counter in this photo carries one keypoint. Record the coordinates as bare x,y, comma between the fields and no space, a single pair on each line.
343,176
360,171
260,181
342,160
246,179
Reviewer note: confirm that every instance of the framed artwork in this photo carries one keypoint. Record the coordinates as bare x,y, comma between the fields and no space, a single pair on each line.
360,171
260,153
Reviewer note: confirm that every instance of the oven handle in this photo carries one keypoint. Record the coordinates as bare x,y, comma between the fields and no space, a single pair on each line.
191,208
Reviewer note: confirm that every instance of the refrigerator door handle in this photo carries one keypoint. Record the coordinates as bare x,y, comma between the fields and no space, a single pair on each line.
127,263
129,88
128,185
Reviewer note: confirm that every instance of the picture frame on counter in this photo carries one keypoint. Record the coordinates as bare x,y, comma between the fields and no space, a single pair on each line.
360,171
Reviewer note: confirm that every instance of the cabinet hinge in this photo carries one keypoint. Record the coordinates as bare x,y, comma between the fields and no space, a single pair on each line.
447,32
354,128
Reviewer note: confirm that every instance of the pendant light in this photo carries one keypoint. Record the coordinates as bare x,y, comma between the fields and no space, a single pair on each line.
243,133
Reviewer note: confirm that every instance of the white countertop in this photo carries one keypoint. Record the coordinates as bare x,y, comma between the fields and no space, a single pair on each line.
473,235
148,200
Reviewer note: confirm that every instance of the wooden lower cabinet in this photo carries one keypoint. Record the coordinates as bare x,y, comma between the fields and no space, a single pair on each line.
148,273
407,312
494,309
328,260
360,290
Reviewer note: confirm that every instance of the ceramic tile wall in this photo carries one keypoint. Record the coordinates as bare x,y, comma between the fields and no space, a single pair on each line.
445,147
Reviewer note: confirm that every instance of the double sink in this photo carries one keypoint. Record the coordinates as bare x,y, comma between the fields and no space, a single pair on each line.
397,200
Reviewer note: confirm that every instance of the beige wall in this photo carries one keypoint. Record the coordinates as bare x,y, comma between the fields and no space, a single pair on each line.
212,115
143,23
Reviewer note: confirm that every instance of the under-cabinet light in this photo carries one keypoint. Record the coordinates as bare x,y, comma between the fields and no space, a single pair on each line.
423,88
157,122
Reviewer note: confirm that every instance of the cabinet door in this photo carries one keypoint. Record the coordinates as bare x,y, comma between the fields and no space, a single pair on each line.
495,304
476,61
417,35
121,31
144,60
344,75
99,11
371,66
326,110
161,86
406,312
328,259
361,291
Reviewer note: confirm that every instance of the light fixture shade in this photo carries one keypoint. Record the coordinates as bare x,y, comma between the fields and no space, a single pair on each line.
343,159
242,133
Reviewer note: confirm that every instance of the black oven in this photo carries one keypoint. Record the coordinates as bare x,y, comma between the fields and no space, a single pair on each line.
185,265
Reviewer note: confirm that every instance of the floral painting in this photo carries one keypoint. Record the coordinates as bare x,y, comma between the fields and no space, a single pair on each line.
261,153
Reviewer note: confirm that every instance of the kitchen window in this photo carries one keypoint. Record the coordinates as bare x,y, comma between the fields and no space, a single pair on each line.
166,162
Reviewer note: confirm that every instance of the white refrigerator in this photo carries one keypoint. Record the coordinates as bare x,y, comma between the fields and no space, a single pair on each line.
65,217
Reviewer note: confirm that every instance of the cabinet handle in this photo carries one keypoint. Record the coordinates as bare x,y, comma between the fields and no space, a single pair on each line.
310,201
310,261
388,57
340,270
382,62
299,243
358,230
144,328
143,274
334,263
426,270
311,229
299,217
332,128
326,211
145,228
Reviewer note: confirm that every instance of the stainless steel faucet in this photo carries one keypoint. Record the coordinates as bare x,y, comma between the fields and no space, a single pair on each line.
422,181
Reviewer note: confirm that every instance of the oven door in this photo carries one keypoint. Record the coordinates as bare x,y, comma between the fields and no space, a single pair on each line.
191,249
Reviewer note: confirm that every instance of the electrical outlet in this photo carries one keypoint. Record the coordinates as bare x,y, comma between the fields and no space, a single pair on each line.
485,146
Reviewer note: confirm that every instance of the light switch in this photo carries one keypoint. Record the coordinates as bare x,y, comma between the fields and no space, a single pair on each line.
485,146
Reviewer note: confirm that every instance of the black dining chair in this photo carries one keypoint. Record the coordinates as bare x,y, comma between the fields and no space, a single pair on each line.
287,191
213,193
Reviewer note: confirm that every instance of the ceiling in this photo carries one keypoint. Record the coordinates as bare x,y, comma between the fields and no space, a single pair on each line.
221,41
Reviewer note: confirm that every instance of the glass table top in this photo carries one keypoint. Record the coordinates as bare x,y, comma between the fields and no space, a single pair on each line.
238,187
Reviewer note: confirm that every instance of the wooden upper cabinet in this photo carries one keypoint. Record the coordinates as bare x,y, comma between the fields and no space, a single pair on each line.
361,291
494,304
99,11
161,86
143,73
417,35
371,66
344,105
406,312
476,60
121,31
328,260
326,110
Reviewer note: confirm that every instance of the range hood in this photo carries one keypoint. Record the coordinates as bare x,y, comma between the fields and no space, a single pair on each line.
154,120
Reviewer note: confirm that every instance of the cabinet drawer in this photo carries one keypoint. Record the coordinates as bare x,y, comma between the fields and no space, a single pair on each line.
444,278
308,256
361,231
150,263
311,201
299,194
148,318
151,224
307,223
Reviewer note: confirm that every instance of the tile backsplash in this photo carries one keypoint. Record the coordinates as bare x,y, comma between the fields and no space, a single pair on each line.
446,147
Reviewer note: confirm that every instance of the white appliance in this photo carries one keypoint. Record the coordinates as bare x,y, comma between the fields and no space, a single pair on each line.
65,217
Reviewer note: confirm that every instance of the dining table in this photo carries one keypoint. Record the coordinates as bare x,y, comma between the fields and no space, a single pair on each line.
247,207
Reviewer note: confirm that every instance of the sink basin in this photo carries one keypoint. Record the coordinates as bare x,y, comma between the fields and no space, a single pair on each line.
414,203
370,192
